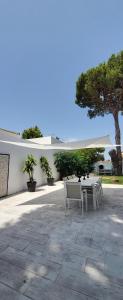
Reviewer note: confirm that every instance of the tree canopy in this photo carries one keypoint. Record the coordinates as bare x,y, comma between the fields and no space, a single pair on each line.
100,89
32,132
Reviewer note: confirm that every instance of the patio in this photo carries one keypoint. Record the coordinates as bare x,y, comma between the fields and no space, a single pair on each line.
45,255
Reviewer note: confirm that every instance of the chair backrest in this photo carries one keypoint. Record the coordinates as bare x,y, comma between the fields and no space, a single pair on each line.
73,190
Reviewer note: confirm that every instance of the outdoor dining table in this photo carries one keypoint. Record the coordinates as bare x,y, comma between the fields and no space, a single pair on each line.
88,183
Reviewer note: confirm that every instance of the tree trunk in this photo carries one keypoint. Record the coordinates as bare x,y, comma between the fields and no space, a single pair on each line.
118,142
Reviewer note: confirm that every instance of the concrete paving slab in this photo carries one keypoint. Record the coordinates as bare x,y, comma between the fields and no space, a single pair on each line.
7,293
44,290
37,265
80,282
46,255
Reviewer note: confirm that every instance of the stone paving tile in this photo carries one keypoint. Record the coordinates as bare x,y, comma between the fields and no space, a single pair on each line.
114,267
95,269
7,293
80,282
90,242
13,276
32,236
53,251
113,293
46,255
113,288
104,276
17,243
45,290
3,245
113,247
86,251
37,265
74,261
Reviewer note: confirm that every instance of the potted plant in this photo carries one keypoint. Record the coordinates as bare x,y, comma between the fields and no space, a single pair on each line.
28,168
47,170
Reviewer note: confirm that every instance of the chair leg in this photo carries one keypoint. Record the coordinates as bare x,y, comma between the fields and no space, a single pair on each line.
86,204
85,200
82,207
94,201
65,207
68,204
97,203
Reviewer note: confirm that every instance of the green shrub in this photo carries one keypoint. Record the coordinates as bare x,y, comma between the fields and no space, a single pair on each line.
31,133
45,167
77,162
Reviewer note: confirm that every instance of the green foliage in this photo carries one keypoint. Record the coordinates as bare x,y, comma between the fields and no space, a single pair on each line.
81,161
100,90
29,165
32,132
45,167
92,155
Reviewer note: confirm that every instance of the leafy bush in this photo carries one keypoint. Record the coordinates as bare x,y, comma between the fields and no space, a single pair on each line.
32,132
77,162
29,164
45,167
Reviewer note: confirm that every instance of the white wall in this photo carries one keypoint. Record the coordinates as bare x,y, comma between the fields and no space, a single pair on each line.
17,180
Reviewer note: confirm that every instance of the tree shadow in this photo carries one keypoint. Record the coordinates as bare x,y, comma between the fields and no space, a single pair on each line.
44,254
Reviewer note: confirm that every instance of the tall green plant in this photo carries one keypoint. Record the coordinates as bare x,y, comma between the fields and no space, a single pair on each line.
45,167
100,91
29,165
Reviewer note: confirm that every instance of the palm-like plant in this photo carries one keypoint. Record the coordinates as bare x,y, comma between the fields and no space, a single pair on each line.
29,165
45,167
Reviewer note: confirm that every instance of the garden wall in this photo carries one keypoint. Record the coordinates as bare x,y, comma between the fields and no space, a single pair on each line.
16,179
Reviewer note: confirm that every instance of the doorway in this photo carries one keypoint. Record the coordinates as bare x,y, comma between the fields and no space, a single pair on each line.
4,174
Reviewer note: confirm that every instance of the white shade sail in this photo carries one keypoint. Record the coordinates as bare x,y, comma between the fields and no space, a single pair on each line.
103,141
98,142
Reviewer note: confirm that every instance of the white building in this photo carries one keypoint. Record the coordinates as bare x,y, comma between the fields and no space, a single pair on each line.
103,167
14,151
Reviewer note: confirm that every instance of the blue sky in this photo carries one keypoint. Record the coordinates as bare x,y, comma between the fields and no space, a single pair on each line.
44,46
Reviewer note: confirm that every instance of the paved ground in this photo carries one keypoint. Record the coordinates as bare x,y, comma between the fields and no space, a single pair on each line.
47,256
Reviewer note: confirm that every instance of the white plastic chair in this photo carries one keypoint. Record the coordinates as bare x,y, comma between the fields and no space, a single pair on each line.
100,192
93,193
74,192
